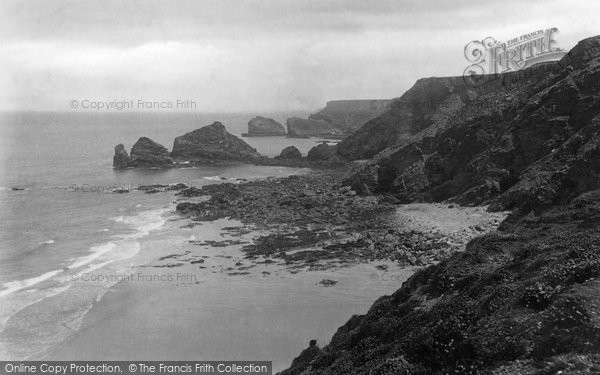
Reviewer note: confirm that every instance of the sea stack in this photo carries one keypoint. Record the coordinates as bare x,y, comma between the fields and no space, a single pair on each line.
212,143
121,160
147,153
261,126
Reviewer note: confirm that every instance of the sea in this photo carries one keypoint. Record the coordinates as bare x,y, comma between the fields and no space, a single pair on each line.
60,220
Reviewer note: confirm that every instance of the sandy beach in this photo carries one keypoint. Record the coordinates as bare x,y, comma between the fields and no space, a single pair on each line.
203,294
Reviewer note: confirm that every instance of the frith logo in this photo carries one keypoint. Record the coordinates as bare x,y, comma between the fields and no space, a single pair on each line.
489,58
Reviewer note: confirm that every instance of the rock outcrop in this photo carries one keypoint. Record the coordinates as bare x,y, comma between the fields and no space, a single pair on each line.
147,153
350,115
321,151
430,102
212,143
121,160
500,145
290,152
525,299
302,128
307,355
263,127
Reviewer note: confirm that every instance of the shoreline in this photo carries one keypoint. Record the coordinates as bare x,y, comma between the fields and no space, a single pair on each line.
323,237
332,225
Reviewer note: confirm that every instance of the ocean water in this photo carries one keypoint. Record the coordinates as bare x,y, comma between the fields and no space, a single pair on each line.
66,230
49,229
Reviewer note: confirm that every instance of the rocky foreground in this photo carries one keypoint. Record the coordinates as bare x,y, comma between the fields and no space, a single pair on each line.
314,222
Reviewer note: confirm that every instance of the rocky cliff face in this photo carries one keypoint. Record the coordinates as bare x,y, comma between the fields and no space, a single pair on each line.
262,126
524,300
486,146
350,115
431,101
302,128
212,143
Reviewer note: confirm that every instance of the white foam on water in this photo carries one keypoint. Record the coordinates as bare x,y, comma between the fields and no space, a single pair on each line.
97,252
46,242
144,223
13,286
124,246
18,295
11,305
213,178
92,268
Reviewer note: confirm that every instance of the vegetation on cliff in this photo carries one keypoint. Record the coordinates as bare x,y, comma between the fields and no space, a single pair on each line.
522,300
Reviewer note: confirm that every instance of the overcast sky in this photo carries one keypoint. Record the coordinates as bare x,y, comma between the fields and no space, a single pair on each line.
235,56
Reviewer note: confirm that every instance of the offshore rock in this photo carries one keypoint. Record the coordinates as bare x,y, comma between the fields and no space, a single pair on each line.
261,126
212,143
121,159
147,153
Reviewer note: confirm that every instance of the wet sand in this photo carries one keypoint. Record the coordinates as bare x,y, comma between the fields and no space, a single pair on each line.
257,316
205,294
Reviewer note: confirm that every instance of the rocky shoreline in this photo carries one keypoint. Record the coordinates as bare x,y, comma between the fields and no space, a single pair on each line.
314,222
522,300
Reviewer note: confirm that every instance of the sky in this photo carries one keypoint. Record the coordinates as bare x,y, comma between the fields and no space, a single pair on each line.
237,56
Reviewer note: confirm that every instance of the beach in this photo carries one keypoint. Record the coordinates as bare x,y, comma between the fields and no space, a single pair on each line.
208,294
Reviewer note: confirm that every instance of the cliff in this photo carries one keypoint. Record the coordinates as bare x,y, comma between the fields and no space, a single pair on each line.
302,128
525,299
483,149
350,115
429,102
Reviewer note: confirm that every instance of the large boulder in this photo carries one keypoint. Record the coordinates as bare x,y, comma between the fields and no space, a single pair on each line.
290,152
212,143
147,153
302,128
262,126
322,151
121,160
